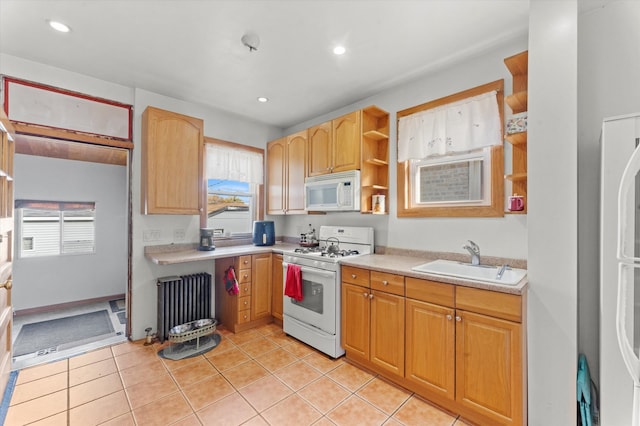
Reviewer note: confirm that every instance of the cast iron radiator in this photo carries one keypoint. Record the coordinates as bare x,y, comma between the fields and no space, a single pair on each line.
182,299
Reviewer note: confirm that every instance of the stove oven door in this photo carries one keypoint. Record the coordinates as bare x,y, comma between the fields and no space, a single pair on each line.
318,304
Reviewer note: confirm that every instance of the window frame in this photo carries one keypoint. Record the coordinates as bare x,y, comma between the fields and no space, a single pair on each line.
259,195
404,177
22,205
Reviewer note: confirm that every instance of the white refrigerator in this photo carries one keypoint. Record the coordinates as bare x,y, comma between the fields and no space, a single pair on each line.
619,270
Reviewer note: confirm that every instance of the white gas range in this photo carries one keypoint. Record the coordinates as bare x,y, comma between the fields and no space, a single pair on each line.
315,319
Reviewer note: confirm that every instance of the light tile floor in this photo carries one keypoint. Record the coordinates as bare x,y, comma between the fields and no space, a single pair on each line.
257,377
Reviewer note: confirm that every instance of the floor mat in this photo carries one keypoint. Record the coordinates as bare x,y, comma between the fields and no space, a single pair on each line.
47,335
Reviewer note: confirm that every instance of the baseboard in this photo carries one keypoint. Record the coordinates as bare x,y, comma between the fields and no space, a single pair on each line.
59,306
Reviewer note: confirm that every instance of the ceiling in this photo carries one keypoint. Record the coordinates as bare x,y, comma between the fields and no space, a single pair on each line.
192,49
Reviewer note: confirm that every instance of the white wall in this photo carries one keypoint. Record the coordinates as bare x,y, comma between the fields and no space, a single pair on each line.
50,280
608,85
552,213
504,237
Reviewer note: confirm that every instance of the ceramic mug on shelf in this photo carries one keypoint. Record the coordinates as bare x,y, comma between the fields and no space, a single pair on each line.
516,203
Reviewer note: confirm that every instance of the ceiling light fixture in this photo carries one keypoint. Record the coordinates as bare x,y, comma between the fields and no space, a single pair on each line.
339,50
263,99
59,26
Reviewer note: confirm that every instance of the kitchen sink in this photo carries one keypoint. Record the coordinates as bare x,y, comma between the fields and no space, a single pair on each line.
486,273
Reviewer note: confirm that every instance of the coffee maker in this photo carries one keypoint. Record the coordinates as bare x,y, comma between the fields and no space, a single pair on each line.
206,240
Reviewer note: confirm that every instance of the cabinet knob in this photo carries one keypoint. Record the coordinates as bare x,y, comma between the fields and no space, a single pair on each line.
246,261
365,294
449,317
458,318
353,276
371,296
385,282
246,303
246,276
245,317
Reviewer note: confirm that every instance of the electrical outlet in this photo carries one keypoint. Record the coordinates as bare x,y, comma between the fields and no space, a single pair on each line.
151,235
178,234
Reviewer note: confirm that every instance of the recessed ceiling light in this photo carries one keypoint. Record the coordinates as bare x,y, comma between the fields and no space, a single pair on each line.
59,26
263,99
339,50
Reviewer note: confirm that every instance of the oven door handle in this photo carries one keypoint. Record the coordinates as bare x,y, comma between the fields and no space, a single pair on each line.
313,271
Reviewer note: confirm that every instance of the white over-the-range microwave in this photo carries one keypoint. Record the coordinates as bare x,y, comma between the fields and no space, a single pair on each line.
333,192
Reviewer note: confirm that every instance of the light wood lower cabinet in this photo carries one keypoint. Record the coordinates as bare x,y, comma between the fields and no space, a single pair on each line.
464,347
252,305
373,321
489,367
277,285
430,349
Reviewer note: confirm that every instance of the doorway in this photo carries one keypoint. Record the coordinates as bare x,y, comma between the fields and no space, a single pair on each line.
68,288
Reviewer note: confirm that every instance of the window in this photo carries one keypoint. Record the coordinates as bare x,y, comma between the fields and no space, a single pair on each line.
234,175
50,228
452,180
450,155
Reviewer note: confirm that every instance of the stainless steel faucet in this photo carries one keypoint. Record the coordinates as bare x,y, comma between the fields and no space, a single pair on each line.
474,251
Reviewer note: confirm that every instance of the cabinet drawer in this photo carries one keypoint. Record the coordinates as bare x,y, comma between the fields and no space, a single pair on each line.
244,316
355,276
495,304
244,276
244,303
430,291
389,283
244,262
245,289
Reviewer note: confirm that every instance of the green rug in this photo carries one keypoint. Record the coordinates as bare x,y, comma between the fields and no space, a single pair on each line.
46,335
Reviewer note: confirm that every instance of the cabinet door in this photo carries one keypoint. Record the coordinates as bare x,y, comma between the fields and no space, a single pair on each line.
355,320
296,172
277,286
276,180
430,348
387,332
172,166
346,142
320,149
489,367
261,286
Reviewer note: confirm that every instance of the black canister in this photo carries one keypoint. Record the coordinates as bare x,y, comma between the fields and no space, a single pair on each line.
264,233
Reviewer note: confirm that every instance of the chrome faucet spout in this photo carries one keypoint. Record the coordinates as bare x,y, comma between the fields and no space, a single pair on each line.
474,251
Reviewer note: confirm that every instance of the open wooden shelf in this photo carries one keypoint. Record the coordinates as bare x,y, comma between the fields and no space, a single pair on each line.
376,162
517,101
519,138
375,135
516,177
381,187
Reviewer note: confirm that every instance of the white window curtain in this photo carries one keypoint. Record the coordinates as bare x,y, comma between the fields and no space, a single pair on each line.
466,125
230,163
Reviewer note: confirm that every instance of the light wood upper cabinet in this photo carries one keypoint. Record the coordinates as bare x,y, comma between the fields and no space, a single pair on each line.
296,172
172,163
346,142
335,145
276,176
286,171
320,145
